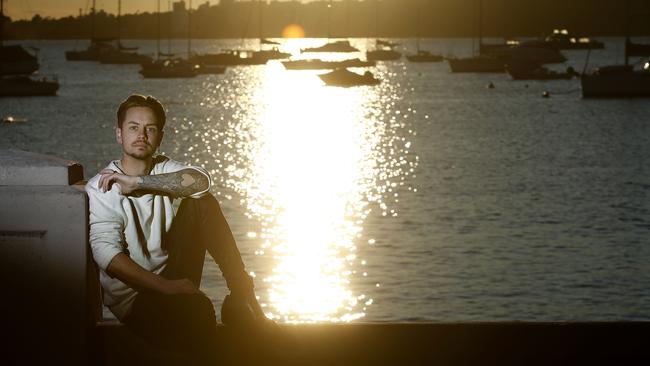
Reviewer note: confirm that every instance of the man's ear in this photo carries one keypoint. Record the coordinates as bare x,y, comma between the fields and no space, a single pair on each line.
118,135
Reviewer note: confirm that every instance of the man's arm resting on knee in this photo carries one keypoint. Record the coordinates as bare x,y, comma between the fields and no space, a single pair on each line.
182,183
128,271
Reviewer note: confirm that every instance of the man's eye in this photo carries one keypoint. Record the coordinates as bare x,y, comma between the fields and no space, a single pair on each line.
152,130
133,128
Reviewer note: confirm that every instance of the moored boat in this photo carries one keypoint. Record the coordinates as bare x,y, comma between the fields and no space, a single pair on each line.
561,39
424,56
534,71
619,81
345,78
336,46
169,68
26,86
478,64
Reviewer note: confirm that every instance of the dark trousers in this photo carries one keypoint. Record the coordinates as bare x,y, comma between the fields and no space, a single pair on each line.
187,323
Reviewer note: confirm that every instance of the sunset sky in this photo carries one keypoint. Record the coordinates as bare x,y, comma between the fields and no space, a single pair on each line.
26,9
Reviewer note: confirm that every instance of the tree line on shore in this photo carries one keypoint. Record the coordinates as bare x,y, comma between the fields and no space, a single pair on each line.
349,18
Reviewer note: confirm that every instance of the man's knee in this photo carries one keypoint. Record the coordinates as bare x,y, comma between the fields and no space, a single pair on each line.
205,202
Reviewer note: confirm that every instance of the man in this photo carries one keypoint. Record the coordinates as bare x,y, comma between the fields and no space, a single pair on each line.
151,259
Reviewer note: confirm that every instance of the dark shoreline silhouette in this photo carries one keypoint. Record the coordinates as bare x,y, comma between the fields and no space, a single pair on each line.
387,18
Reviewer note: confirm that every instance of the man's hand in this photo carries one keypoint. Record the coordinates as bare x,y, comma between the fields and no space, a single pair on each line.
108,177
179,287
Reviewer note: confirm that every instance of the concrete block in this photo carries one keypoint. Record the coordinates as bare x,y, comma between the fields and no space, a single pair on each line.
23,168
44,260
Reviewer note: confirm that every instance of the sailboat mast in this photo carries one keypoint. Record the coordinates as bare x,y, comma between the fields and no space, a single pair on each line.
2,21
92,21
158,31
627,30
119,12
377,18
417,36
169,27
329,20
480,26
261,24
189,30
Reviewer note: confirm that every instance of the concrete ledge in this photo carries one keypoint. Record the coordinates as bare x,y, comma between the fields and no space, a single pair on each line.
516,343
25,168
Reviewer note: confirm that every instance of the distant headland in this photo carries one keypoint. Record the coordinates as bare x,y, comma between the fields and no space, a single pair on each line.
348,18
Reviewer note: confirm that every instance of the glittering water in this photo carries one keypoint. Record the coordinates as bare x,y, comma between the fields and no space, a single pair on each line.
428,197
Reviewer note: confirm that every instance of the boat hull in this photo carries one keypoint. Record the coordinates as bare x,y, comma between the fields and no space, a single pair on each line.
25,87
525,71
631,84
228,59
123,58
348,79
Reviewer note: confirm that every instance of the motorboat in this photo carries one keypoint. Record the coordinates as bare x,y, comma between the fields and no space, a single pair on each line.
345,78
534,71
169,68
272,54
17,69
424,56
336,46
561,39
478,64
25,86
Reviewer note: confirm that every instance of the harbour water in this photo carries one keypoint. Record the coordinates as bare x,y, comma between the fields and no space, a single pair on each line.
427,198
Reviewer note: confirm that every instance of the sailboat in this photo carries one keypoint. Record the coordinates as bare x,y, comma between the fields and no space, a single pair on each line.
16,68
98,46
332,46
383,50
481,63
168,67
627,80
122,54
422,55
269,54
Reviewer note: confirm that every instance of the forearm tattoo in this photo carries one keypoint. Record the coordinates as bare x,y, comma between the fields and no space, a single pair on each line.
182,183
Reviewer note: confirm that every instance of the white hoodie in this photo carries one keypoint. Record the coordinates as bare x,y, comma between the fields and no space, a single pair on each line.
133,225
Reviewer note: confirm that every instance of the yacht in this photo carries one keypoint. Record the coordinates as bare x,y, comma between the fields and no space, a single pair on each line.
345,78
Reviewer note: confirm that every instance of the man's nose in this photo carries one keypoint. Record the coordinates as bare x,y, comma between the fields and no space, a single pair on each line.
142,134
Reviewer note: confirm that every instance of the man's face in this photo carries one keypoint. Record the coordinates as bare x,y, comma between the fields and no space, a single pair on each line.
139,135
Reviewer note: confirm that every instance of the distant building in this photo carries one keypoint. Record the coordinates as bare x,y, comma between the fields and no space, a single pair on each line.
179,18
179,7
203,6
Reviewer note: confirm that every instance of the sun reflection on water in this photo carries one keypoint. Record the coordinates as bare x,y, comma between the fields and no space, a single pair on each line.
307,161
